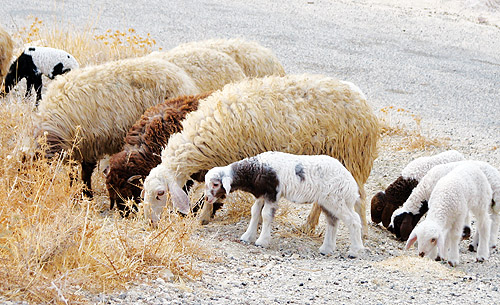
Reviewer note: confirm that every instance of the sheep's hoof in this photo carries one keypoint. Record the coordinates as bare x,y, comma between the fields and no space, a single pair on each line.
480,259
261,243
352,256
325,251
453,264
472,248
204,222
438,258
466,233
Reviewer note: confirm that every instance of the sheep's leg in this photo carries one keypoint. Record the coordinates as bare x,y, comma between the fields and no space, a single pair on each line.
360,208
38,88
251,233
267,218
330,241
352,221
206,212
495,218
312,219
453,237
87,170
483,230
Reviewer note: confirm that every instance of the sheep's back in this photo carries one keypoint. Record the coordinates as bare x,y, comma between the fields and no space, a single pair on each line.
100,103
255,59
301,114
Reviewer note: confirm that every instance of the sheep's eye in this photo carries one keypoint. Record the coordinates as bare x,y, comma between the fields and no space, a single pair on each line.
433,240
161,193
216,184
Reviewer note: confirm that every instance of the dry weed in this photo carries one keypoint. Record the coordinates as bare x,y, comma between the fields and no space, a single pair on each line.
405,136
55,245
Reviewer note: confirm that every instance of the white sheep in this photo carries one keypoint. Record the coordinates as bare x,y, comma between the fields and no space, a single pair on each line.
35,62
6,49
405,218
300,114
298,178
255,59
464,189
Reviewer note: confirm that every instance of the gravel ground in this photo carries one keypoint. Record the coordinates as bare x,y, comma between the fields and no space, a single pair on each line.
439,60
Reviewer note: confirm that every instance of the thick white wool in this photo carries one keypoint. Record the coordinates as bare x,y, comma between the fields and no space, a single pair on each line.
417,168
428,182
46,58
464,189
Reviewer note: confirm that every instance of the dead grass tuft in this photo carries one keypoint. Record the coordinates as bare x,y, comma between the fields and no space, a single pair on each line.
55,245
402,130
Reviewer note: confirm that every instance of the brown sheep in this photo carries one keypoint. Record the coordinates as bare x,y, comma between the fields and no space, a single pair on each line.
144,142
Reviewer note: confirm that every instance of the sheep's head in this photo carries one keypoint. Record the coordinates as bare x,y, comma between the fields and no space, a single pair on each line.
377,207
395,195
428,234
156,185
217,183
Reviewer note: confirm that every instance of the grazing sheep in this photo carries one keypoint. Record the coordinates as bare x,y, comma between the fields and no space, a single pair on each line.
253,58
143,145
98,104
35,61
6,49
464,189
300,114
383,204
405,218
210,69
298,178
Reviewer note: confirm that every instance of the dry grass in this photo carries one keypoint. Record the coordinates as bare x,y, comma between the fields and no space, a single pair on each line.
86,46
402,130
56,246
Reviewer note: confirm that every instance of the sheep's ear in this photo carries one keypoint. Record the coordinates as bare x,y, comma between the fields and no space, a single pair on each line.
226,184
131,179
106,170
411,240
179,198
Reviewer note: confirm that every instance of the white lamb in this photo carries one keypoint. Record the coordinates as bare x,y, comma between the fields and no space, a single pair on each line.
464,189
298,178
405,218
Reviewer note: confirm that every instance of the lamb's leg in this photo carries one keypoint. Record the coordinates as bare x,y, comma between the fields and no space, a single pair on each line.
87,170
329,243
312,219
466,229
495,218
267,218
454,236
483,230
206,212
361,210
352,221
251,233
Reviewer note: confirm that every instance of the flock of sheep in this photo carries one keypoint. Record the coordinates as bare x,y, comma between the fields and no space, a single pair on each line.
223,112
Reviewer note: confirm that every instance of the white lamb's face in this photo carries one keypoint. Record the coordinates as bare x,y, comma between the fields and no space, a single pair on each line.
427,239
213,185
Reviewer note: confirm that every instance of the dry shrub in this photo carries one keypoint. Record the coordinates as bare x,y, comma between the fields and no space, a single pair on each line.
408,135
87,46
55,246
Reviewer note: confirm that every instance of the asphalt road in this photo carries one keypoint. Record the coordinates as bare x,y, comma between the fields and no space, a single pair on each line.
440,65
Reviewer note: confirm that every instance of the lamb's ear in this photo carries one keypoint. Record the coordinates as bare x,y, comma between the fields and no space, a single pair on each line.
131,179
180,199
440,245
226,184
411,240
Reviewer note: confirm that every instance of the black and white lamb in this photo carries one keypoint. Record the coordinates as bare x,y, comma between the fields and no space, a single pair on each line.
298,178
34,62
464,189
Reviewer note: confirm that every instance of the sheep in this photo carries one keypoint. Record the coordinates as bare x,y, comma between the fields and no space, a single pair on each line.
255,59
6,50
270,176
35,61
405,218
144,142
300,114
210,69
384,203
464,189
96,105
